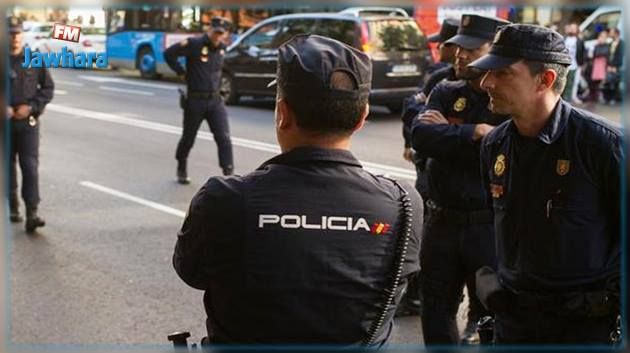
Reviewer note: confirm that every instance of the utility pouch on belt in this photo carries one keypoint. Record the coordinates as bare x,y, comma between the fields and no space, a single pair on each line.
182,98
490,292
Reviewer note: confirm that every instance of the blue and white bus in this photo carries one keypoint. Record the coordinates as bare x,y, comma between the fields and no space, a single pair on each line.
138,36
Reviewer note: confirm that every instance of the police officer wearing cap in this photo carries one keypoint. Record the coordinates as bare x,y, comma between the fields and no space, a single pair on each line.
416,103
310,247
552,174
413,105
458,230
204,62
29,91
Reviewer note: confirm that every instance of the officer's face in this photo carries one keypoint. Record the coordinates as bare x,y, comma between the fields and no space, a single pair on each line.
447,52
510,88
463,57
217,36
16,41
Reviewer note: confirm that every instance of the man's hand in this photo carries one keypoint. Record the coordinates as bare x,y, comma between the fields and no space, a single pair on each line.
10,112
22,111
432,117
481,130
408,154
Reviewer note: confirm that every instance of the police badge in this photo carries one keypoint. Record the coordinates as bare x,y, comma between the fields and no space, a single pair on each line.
563,166
204,54
499,165
460,104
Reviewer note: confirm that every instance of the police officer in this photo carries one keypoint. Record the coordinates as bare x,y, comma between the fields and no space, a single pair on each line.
416,103
30,90
412,301
553,177
204,61
307,248
458,230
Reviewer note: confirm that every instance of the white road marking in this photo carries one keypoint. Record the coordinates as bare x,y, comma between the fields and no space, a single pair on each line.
138,200
377,168
102,79
61,92
124,90
69,83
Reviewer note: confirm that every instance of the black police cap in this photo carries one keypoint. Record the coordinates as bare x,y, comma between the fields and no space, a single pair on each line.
475,30
448,31
220,24
520,41
15,26
308,61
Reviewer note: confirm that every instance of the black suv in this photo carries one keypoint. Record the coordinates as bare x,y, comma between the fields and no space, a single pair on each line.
394,43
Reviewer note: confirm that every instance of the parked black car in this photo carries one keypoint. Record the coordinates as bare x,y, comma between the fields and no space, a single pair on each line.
395,44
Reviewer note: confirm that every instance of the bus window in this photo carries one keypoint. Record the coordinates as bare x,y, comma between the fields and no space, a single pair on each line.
116,21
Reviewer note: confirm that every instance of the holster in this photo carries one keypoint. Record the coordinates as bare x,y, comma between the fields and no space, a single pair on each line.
183,100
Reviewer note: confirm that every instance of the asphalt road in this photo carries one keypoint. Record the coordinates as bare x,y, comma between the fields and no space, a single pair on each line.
100,272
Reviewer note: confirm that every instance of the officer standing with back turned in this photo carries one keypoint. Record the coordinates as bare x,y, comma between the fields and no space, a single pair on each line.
30,90
204,61
310,248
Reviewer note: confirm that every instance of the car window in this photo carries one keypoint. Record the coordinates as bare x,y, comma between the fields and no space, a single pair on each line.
262,37
43,28
395,34
291,27
604,21
342,30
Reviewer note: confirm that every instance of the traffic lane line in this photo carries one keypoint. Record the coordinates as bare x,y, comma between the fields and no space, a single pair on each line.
125,90
134,199
376,168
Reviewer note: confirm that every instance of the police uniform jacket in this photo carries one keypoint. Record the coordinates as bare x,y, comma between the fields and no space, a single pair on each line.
298,251
32,86
414,106
453,169
203,63
556,201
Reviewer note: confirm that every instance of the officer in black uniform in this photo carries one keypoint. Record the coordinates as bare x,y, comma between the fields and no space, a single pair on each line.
204,61
413,105
30,90
458,229
553,178
307,248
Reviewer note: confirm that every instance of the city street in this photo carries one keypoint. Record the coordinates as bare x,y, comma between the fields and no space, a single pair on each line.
100,272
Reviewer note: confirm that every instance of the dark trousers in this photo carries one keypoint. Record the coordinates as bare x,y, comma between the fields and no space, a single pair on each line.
526,325
24,148
450,254
213,111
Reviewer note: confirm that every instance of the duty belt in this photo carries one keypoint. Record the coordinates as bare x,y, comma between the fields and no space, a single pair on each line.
203,94
586,302
439,214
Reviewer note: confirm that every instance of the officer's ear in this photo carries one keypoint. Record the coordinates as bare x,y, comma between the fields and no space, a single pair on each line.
547,79
361,122
285,116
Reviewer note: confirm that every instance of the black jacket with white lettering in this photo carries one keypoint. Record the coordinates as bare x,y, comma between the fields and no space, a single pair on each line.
297,252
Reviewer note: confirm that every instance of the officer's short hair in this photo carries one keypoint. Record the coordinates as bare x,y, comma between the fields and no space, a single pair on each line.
328,114
325,82
537,67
